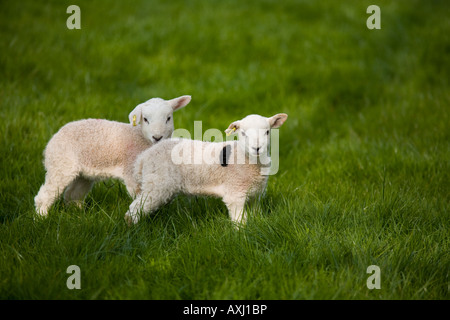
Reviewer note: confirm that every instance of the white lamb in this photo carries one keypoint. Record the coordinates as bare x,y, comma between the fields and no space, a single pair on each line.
85,151
231,170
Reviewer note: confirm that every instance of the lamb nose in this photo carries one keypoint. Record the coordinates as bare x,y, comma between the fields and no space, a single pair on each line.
157,138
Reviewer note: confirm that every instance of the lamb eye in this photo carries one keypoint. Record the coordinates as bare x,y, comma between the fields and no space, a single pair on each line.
145,119
267,132
168,119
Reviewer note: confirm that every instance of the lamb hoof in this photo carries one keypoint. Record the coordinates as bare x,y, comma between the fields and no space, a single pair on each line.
130,220
41,213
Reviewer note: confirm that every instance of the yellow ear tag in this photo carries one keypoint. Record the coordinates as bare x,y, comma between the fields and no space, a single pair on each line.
231,131
134,121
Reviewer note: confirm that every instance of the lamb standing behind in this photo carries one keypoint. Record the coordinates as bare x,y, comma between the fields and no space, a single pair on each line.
84,151
206,169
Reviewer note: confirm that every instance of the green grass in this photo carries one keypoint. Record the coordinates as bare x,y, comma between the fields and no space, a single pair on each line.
364,155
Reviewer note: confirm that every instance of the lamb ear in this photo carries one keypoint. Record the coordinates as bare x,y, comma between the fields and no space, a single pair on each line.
277,120
136,112
179,102
233,127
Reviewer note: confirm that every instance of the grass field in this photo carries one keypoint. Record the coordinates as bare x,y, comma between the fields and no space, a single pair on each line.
364,155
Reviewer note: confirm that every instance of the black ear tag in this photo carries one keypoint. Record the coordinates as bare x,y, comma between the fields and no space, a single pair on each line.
225,155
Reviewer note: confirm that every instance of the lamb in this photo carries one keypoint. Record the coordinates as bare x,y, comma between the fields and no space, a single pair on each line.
85,151
232,170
